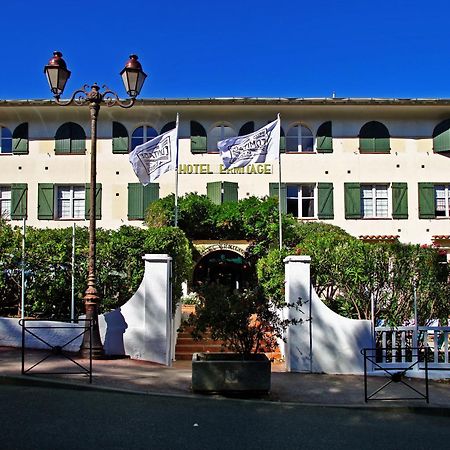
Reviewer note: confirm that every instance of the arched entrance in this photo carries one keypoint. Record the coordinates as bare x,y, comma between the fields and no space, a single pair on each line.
225,267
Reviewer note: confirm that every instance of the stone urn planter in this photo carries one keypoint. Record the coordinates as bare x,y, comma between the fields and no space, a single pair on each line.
230,373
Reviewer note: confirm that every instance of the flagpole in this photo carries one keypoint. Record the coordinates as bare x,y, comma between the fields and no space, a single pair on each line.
176,179
279,195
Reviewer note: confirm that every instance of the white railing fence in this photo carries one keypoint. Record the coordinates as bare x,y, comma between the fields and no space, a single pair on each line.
393,344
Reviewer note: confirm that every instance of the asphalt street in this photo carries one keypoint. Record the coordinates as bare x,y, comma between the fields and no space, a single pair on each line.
58,418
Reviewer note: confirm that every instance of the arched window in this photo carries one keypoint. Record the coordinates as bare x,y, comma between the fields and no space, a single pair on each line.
441,137
120,138
70,138
219,133
374,138
5,140
299,139
324,138
198,138
142,134
282,141
168,126
20,139
247,128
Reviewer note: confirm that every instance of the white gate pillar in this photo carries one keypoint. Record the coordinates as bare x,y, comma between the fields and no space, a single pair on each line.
325,341
142,327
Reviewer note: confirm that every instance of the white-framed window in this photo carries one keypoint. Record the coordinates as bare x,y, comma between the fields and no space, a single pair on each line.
442,197
141,135
70,202
299,139
375,201
5,140
301,200
219,133
5,202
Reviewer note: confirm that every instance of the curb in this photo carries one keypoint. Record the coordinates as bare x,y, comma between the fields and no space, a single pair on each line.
28,380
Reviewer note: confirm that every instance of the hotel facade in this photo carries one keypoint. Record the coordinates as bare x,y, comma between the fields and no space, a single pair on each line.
378,168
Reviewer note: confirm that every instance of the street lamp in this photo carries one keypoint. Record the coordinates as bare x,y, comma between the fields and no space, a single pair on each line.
133,78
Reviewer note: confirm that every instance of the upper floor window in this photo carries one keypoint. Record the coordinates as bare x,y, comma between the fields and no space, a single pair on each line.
70,202
219,133
5,140
141,135
374,201
5,202
441,137
299,139
442,197
247,128
120,138
70,138
301,200
168,126
374,138
324,138
198,138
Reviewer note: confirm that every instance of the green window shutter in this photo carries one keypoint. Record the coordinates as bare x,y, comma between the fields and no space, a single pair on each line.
282,144
19,201
367,145
426,201
230,192
273,192
150,195
62,139
198,144
120,138
78,144
135,201
98,201
20,140
214,192
324,144
382,145
45,201
324,141
399,200
441,142
352,193
325,201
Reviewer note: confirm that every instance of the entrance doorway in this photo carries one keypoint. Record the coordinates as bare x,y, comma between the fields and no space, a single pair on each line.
224,267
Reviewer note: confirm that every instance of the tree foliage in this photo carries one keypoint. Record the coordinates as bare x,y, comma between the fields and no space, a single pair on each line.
48,265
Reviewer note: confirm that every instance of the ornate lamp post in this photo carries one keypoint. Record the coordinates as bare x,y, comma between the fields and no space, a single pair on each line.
133,78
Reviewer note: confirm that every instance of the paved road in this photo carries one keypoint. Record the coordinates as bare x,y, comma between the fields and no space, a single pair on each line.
57,418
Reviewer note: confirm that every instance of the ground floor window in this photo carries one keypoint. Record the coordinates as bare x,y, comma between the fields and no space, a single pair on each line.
442,196
301,200
375,201
70,202
5,202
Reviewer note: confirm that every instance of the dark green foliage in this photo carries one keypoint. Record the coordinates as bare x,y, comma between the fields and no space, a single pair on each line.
246,322
120,266
348,274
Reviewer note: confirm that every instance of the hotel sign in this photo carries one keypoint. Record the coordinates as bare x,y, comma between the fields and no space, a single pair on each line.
205,169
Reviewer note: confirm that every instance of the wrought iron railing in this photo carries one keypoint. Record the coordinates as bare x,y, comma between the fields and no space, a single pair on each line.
31,327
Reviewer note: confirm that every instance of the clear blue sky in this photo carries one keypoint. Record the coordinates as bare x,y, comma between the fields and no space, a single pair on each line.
384,48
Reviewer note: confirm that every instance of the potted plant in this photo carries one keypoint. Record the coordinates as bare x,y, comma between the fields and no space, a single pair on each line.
249,325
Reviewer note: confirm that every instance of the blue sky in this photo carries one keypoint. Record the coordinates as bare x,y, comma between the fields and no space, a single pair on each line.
387,48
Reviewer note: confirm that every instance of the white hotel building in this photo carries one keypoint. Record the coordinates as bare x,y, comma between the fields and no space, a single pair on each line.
378,168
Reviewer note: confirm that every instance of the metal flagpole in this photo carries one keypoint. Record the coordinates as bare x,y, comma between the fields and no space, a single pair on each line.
72,303
279,194
176,178
22,300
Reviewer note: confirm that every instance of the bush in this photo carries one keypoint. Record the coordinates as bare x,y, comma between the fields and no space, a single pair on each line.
119,266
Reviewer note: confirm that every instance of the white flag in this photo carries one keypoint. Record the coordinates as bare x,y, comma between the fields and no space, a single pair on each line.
258,147
155,157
